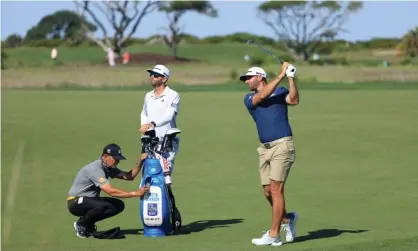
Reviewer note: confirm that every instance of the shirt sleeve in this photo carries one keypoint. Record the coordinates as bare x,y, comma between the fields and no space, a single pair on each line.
175,103
144,117
248,101
98,177
280,96
170,113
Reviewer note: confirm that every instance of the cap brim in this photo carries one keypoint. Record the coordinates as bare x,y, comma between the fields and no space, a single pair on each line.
119,158
244,77
152,71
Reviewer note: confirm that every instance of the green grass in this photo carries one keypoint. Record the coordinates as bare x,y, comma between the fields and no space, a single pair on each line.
353,183
209,53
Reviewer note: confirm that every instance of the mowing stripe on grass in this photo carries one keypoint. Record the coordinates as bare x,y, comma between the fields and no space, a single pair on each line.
11,192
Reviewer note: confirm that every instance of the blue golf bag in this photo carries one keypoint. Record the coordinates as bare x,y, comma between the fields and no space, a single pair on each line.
157,206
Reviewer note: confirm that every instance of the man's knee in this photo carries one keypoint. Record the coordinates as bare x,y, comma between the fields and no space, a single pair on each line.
119,205
267,191
116,205
276,187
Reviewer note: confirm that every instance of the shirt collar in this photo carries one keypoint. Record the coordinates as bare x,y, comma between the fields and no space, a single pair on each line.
164,93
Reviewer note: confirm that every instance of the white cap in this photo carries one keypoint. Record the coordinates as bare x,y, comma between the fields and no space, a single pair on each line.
253,71
160,69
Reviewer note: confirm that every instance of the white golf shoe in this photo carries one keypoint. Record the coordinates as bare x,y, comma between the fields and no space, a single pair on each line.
266,240
290,228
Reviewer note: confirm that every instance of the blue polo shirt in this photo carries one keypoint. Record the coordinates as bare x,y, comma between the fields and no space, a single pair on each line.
270,115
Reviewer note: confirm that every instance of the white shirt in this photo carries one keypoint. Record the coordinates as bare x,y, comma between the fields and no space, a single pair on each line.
161,109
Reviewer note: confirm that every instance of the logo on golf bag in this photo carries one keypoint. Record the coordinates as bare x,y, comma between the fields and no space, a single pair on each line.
152,209
153,197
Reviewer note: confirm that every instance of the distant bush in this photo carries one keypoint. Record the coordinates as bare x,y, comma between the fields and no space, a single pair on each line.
325,48
3,57
409,43
383,43
133,41
257,61
240,38
233,74
14,40
406,61
378,43
190,39
48,43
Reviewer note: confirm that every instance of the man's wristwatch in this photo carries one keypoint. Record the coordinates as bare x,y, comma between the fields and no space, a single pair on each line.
153,123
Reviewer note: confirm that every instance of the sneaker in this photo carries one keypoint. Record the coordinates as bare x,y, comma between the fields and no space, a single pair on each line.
80,231
290,228
91,228
266,240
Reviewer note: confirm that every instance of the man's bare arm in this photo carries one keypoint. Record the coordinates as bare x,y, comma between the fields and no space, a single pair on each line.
267,91
115,192
293,97
134,172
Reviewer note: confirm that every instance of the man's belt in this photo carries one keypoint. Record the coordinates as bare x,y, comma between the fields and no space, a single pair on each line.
70,197
271,144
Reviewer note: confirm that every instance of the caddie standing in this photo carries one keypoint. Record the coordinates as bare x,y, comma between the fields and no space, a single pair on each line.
160,109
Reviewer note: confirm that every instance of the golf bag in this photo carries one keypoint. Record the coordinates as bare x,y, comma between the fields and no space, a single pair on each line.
158,210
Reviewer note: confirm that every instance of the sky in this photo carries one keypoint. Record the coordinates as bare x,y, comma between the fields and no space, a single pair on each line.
375,19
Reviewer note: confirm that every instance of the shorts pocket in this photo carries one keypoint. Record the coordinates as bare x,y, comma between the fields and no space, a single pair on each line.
290,146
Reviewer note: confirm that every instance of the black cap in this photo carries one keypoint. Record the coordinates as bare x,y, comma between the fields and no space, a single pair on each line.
114,151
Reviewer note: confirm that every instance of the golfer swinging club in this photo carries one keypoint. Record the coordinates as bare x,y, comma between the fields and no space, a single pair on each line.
268,107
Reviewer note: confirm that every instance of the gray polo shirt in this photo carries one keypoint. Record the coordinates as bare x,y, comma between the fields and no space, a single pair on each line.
89,179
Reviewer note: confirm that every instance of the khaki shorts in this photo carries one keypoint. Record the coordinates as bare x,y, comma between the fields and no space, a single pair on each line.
276,160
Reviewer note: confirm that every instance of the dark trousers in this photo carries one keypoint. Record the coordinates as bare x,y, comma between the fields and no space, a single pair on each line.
92,210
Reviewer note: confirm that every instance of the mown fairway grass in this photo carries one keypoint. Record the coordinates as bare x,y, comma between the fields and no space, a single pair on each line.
354,181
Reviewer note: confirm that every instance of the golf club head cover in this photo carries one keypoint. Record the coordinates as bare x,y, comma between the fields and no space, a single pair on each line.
163,162
290,71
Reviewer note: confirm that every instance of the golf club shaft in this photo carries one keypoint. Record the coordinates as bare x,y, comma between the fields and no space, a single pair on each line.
265,50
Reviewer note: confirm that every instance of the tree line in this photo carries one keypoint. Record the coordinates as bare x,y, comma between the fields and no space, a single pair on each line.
301,27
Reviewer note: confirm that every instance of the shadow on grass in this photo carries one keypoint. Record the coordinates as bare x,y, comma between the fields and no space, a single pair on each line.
201,225
326,233
193,227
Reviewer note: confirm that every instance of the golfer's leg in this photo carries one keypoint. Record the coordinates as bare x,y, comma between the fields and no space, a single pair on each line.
279,170
267,193
264,169
103,208
278,206
113,207
170,159
92,207
281,162
78,207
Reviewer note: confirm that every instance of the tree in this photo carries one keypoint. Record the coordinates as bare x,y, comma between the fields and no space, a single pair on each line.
303,25
59,25
409,43
14,40
122,16
174,10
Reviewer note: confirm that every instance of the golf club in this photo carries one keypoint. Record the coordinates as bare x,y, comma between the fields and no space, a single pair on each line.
264,49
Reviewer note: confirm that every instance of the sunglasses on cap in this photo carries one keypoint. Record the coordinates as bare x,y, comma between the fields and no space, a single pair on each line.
155,75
